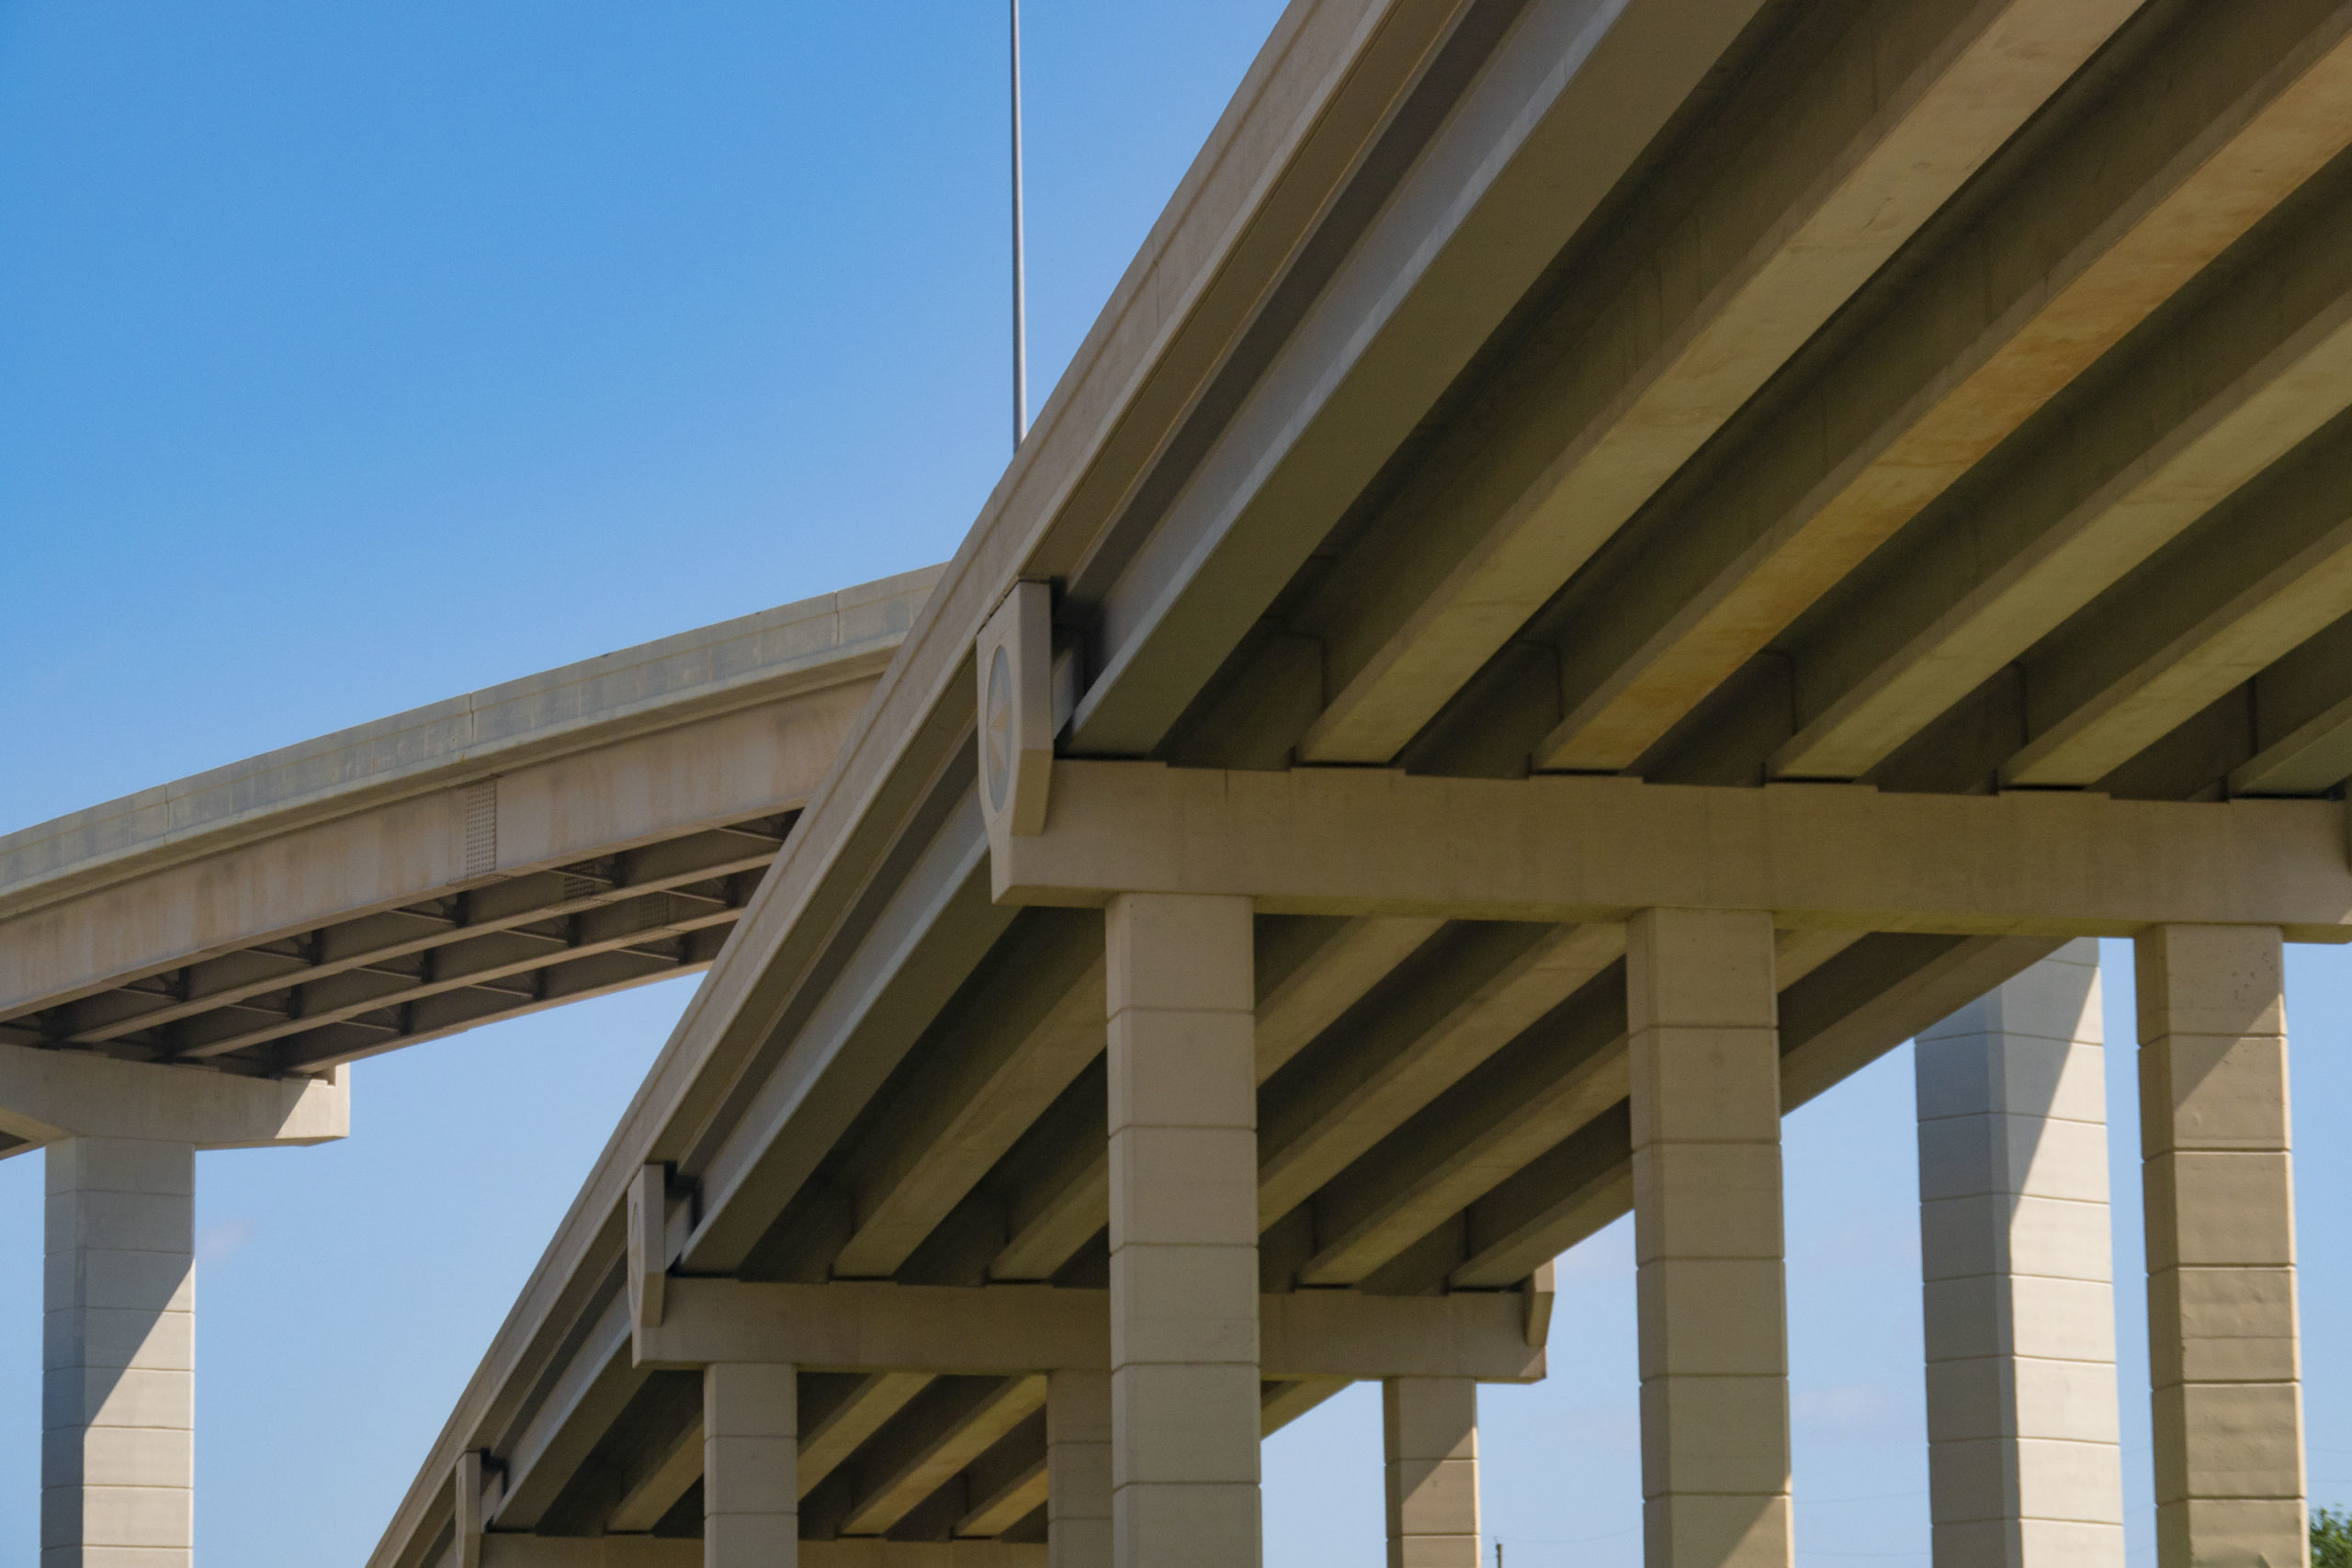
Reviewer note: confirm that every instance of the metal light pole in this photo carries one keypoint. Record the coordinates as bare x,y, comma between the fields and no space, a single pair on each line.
1020,287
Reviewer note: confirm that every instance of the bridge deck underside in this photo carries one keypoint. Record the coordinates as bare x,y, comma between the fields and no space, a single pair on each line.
1949,398
398,975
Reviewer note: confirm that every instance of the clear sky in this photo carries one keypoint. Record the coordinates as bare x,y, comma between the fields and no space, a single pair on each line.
360,354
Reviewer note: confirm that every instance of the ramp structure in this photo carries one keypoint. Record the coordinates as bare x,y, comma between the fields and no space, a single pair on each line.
1609,562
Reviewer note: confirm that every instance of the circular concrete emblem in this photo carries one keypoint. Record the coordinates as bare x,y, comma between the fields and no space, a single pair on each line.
996,734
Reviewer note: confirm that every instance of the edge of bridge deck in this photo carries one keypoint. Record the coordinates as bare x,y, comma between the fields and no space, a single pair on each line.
734,663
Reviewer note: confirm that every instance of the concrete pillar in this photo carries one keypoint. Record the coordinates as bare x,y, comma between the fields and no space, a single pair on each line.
119,1313
1078,1470
2224,1359
2022,1422
1183,1095
1702,1014
750,1451
1430,1437
117,1470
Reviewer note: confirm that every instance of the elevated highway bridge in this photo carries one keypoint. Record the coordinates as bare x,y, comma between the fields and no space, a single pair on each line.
1609,562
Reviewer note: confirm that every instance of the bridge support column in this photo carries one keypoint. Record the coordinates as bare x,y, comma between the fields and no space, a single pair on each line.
1184,1098
1078,1470
1430,1437
120,1140
2224,1358
2022,1420
1702,1014
117,1470
751,1460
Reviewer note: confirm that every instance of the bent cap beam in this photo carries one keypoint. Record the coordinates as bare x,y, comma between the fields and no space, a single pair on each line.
1365,843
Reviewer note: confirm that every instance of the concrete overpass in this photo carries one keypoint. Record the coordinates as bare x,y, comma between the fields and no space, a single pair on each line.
192,967
560,836
1608,562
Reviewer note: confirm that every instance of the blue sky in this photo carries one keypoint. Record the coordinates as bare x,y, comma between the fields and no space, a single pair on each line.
363,353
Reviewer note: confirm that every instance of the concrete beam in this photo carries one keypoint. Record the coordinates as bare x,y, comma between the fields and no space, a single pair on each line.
471,963
646,1551
951,1427
1852,1013
2314,757
509,1550
1023,1035
1301,993
1351,1098
653,1494
828,1439
1286,1402
2301,713
2268,572
310,875
2213,130
847,635
932,932
1586,850
1009,1482
618,893
1013,1330
48,1095
1889,122
1473,1138
1310,973
2202,408
655,955
1495,171
513,1550
1066,1208
596,1384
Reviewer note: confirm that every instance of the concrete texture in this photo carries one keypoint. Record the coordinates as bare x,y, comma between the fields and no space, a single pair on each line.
47,1095
1298,494
118,1325
1184,1383
867,1326
305,868
1429,1453
2024,1466
750,1508
118,1355
1712,1303
2225,1359
1566,848
1897,116
737,663
1078,1470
